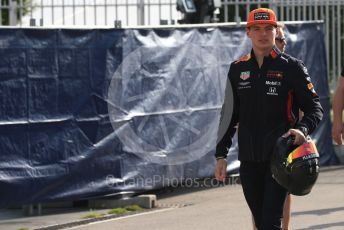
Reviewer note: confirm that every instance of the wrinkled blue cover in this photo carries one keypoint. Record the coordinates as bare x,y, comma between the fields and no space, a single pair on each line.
56,137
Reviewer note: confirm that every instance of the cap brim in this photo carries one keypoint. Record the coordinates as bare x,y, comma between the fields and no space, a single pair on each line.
261,22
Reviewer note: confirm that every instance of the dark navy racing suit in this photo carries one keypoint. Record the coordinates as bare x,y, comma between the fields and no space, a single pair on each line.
266,102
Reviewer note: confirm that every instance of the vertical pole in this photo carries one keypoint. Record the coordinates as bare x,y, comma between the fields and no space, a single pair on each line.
316,15
13,13
42,10
105,9
248,8
333,39
32,22
52,12
299,12
304,9
30,209
73,12
293,11
327,16
226,10
39,209
63,12
273,6
237,15
21,6
171,12
0,13
160,12
95,12
339,32
127,12
282,11
116,5
149,12
141,12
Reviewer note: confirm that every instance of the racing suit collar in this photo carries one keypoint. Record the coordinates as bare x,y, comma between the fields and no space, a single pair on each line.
275,52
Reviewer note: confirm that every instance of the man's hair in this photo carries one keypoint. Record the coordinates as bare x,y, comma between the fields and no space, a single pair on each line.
280,28
280,25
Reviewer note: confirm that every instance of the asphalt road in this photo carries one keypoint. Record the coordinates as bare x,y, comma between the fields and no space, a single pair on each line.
224,208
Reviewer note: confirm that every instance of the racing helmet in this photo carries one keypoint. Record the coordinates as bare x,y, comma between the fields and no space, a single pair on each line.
296,168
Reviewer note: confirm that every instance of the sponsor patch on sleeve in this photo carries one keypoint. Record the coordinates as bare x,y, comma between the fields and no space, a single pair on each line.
311,88
305,70
245,75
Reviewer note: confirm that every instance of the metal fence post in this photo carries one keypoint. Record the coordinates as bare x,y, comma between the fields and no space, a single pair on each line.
273,6
32,22
141,12
0,13
118,24
12,13
237,15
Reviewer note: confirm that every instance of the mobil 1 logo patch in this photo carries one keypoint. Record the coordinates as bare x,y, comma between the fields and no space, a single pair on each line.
273,83
261,16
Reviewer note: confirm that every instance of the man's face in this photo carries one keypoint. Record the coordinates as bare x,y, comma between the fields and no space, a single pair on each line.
280,41
262,36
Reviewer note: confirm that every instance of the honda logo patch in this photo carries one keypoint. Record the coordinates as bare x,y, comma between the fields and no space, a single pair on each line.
272,91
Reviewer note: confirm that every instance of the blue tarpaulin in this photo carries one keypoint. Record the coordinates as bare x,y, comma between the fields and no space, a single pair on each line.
91,112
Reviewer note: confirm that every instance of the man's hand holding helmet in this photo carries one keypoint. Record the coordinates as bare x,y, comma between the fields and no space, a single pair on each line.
298,136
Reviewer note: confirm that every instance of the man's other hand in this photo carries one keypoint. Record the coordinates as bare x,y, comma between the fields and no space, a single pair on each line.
221,169
338,132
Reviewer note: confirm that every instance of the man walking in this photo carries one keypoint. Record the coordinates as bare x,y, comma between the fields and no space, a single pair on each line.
265,85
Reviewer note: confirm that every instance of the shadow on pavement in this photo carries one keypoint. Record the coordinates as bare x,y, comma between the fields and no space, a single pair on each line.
319,212
324,226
